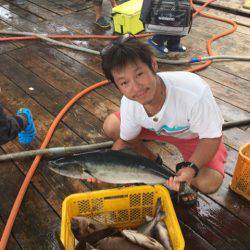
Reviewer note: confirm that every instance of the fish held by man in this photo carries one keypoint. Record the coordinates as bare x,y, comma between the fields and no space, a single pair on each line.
116,167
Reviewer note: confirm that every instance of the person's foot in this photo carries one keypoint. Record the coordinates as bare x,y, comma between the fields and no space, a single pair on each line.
28,132
103,23
178,48
159,51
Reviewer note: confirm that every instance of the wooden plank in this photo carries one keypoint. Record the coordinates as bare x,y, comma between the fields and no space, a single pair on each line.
193,240
233,5
216,241
77,70
12,243
75,22
93,102
236,138
52,99
51,6
240,28
36,10
36,221
8,45
22,13
230,95
226,79
233,202
240,20
74,5
230,112
16,21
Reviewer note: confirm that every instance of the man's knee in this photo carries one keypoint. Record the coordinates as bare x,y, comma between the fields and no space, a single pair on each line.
208,181
111,127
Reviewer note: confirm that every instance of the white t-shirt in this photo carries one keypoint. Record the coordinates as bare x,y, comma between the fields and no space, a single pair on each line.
189,110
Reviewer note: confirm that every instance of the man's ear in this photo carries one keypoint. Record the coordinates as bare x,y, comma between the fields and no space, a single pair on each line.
154,64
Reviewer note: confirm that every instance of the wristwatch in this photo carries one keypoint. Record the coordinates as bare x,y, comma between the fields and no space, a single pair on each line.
186,164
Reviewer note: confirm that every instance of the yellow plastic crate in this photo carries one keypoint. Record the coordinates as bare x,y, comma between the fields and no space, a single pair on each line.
120,208
126,17
241,177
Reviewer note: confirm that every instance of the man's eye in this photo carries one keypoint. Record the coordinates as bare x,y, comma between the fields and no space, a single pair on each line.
139,74
123,83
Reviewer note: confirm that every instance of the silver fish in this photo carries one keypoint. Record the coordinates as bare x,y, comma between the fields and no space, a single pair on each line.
161,234
116,167
142,240
82,226
148,227
117,243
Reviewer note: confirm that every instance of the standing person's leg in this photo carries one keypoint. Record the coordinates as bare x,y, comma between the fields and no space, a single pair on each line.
174,45
10,126
113,3
100,20
157,45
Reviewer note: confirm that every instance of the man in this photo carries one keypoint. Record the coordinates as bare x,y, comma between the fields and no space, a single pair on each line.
174,107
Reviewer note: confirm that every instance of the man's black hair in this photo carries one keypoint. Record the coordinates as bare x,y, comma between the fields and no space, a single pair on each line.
121,54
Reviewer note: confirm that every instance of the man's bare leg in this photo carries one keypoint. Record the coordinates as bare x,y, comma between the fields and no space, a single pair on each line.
208,180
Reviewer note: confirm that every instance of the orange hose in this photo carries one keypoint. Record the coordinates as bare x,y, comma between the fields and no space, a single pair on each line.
197,11
4,39
211,40
29,175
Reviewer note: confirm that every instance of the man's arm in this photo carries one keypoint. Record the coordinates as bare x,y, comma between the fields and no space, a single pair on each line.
203,154
205,151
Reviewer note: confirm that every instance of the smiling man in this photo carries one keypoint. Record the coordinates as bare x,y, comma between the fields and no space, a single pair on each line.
173,107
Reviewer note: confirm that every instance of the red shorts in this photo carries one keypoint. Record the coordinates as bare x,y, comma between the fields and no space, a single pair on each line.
186,147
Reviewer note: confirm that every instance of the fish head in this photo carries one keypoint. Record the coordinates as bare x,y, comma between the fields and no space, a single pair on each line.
69,167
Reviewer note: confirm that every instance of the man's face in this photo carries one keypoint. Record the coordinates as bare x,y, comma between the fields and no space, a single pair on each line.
136,81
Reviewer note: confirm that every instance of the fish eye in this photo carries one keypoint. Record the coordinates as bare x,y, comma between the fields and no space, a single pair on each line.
92,226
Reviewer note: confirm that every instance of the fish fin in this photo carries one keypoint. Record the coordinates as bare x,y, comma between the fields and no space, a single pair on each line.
129,151
86,174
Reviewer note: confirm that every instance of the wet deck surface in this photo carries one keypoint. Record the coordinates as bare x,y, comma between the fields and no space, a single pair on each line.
44,78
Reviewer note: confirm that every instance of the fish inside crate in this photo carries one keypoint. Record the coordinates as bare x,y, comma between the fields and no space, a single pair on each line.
120,208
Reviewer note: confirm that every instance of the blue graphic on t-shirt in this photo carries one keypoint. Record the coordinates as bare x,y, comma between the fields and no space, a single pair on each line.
173,130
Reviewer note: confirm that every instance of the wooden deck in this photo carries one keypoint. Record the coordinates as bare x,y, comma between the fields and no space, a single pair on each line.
44,78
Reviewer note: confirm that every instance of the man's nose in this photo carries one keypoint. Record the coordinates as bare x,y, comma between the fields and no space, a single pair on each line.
136,86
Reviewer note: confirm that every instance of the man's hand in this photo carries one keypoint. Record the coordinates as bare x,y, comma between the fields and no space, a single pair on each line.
184,174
